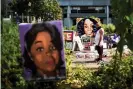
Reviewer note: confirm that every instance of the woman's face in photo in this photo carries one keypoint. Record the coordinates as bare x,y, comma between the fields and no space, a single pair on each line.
44,53
88,27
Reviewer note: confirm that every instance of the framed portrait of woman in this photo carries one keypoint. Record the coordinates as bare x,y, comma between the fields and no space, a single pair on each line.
42,50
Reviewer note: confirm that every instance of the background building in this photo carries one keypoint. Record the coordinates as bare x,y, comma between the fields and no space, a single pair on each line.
5,9
73,9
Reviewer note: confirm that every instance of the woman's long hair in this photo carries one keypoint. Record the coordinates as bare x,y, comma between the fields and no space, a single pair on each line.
80,27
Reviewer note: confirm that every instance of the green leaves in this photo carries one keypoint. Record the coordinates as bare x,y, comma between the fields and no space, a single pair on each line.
116,75
123,16
130,18
46,9
109,28
19,6
73,28
11,69
77,77
129,38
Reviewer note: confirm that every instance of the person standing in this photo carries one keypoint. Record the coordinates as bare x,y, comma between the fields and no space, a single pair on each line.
99,41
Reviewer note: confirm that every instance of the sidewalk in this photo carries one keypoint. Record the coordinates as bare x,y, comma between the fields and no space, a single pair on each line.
90,64
86,58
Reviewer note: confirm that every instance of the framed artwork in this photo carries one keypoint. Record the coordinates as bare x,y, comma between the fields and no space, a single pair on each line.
42,51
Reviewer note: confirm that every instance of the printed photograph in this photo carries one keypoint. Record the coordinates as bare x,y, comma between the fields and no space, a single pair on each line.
42,50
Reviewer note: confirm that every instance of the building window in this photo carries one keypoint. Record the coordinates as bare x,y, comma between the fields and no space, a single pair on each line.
75,8
86,9
64,15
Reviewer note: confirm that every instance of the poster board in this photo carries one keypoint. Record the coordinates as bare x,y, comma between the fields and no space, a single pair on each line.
42,51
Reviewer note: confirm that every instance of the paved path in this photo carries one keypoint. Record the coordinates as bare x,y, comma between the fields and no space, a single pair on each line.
89,64
86,58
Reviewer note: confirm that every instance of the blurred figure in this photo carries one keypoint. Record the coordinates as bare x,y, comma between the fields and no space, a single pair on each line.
99,40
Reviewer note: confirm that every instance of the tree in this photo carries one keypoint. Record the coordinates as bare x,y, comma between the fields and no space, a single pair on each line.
122,11
46,9
19,6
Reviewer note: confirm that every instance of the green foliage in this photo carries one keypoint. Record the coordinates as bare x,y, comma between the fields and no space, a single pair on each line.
74,28
123,16
19,6
93,17
118,74
109,28
104,26
47,9
65,28
77,77
11,71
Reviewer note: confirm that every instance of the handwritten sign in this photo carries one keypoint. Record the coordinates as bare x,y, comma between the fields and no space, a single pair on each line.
68,37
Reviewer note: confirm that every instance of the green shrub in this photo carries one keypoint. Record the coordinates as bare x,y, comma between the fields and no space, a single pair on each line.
104,26
74,28
118,74
77,77
65,28
108,28
111,28
11,72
